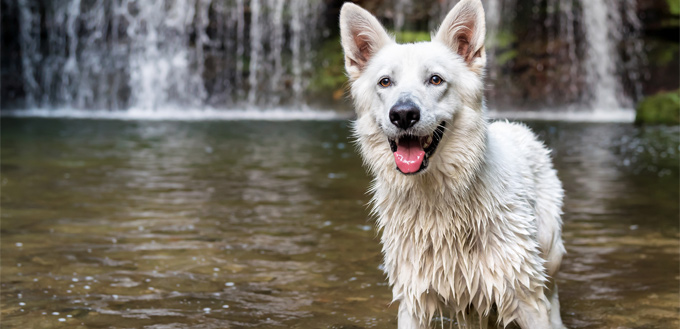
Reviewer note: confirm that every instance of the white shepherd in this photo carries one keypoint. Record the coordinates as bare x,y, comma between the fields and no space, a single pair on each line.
469,211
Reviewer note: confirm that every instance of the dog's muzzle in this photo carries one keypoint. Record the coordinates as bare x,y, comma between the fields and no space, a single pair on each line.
412,153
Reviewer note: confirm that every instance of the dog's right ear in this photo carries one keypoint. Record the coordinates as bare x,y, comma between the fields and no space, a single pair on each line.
362,36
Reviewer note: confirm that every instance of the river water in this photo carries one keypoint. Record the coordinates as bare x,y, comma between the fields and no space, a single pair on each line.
244,224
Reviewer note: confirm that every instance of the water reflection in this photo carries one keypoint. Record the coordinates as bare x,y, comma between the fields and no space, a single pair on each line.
251,224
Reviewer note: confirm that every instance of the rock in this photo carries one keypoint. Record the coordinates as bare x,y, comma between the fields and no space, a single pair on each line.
662,108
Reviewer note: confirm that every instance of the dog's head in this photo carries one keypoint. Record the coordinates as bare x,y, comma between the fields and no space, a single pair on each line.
409,94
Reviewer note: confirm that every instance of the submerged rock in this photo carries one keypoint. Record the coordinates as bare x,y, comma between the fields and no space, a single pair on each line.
662,108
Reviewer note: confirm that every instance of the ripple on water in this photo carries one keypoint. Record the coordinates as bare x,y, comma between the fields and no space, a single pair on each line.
136,224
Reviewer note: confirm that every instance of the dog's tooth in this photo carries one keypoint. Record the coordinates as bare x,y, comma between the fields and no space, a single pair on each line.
428,142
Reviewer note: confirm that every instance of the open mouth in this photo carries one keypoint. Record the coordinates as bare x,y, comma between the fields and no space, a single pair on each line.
412,153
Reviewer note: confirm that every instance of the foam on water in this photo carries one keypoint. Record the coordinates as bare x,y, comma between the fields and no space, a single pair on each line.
616,115
301,113
275,114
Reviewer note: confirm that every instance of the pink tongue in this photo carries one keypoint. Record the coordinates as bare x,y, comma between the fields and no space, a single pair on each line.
409,155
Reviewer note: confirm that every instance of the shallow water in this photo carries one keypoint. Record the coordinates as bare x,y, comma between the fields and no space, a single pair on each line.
234,224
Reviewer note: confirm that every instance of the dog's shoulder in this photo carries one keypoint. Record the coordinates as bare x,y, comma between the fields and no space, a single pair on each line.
518,138
515,131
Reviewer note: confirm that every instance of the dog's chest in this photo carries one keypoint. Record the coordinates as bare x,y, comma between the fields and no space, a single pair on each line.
453,265
458,255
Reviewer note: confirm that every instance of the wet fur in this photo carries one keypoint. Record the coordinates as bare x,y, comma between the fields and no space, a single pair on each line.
480,228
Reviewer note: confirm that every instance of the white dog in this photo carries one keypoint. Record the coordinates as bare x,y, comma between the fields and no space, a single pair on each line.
469,211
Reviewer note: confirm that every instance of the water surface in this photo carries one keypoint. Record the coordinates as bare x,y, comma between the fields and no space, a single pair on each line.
241,224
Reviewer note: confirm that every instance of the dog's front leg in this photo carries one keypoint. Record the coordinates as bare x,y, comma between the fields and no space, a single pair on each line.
529,317
406,319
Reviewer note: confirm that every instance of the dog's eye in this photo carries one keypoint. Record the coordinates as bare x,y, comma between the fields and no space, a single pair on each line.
385,82
436,80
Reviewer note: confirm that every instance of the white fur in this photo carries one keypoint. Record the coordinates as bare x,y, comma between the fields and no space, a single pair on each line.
481,225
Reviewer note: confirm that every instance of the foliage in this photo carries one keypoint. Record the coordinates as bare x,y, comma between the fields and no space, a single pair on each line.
662,108
412,36
674,7
329,76
661,52
504,40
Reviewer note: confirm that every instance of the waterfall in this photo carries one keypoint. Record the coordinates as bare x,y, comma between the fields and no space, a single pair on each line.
159,55
601,27
606,26
152,55
595,65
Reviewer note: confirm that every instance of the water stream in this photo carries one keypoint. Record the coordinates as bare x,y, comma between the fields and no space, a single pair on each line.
245,224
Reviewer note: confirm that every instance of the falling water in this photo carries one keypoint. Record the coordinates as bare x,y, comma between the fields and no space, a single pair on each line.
605,25
153,55
601,56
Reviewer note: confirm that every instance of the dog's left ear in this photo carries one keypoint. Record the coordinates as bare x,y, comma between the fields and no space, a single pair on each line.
463,31
362,36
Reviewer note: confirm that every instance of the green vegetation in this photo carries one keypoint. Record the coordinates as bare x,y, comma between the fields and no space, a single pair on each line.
674,7
412,36
329,76
504,41
662,108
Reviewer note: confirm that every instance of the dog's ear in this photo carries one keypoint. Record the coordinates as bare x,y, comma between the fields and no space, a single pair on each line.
463,31
362,36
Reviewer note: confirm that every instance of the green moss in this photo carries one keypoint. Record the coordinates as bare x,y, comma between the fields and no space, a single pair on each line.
662,108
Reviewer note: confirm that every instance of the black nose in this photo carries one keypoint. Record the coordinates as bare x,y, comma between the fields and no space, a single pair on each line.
404,114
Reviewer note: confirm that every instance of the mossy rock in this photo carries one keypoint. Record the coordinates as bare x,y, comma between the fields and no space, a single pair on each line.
662,108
